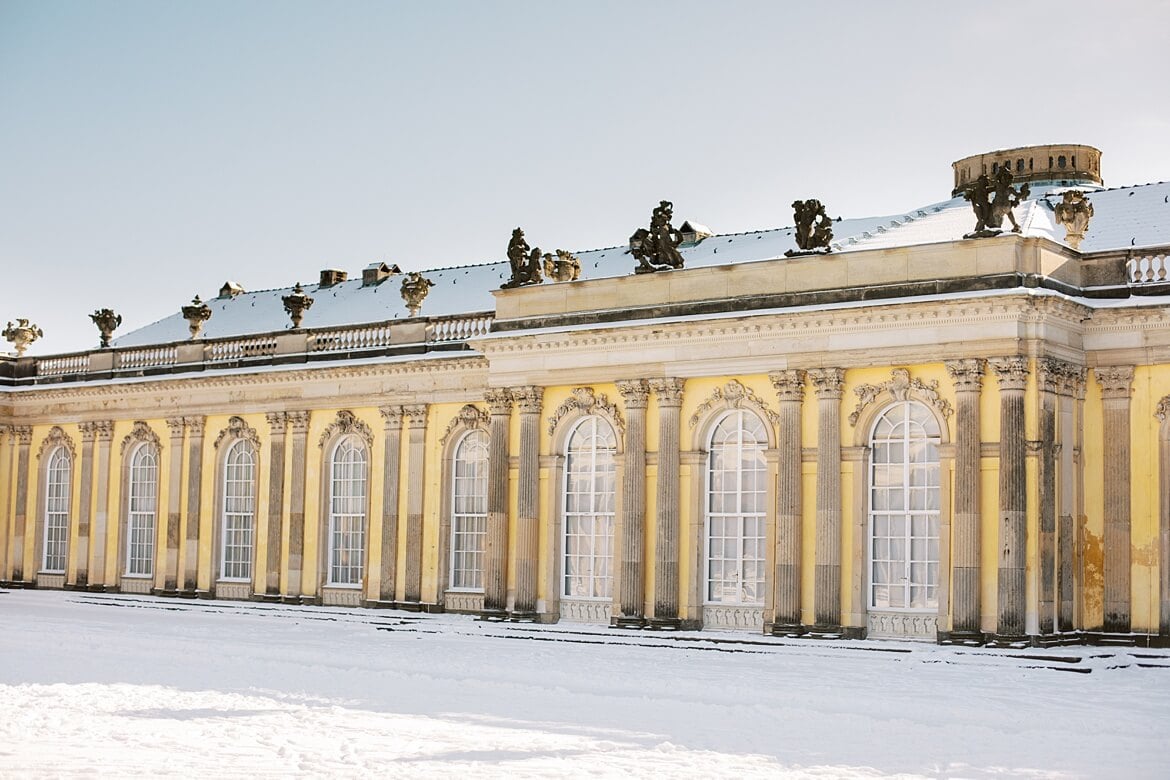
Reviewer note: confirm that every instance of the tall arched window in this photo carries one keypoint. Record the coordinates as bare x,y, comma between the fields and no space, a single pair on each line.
58,477
143,505
736,494
469,511
590,486
347,512
904,509
237,537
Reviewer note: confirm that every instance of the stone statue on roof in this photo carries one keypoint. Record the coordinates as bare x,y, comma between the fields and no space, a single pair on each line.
565,268
656,249
525,262
814,228
992,201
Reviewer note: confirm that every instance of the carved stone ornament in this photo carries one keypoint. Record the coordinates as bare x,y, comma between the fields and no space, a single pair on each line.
467,417
525,262
992,201
415,288
1012,372
296,304
735,395
499,401
635,393
392,415
828,383
57,438
814,228
1059,376
21,335
1074,212
586,401
346,423
565,268
196,313
529,399
96,429
789,384
899,386
238,428
140,433
1163,409
107,321
656,249
967,374
668,390
1115,381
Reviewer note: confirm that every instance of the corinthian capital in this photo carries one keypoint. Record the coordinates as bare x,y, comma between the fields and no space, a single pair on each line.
529,399
789,384
1115,381
668,390
635,393
828,383
499,401
967,374
1012,372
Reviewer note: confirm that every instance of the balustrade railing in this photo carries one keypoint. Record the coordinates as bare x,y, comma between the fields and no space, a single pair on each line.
458,328
1147,269
239,349
150,357
347,339
65,364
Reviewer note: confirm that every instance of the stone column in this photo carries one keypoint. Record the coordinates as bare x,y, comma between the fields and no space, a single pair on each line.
103,434
299,425
967,376
1012,373
495,569
786,618
1070,388
5,491
85,505
1162,412
416,418
1116,383
170,555
388,575
529,401
1049,378
669,393
194,502
22,435
278,426
632,575
829,385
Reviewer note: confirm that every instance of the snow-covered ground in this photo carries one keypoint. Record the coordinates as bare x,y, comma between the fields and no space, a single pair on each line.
120,685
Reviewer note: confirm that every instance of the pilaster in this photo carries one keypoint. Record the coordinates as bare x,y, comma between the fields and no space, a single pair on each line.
1116,385
191,563
967,376
85,506
786,618
632,571
278,428
829,385
103,432
1012,374
529,401
669,393
298,423
416,420
22,435
1071,390
495,573
388,575
168,568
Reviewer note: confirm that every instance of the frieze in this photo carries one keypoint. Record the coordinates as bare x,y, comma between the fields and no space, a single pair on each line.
900,386
57,438
734,394
585,400
238,428
346,423
468,417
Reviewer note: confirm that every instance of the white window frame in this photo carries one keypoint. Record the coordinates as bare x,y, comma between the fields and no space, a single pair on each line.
736,536
587,574
918,548
348,491
469,512
55,542
142,511
237,538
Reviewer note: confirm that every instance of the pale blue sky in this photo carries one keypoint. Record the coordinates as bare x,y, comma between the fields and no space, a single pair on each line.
151,150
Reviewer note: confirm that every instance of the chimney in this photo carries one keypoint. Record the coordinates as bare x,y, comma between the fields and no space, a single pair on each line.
376,273
230,289
332,276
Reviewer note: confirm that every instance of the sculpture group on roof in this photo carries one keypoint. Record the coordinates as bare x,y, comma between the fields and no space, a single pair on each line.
527,264
656,249
814,228
991,202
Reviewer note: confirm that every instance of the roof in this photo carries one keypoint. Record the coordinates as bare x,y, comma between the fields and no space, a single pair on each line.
1124,217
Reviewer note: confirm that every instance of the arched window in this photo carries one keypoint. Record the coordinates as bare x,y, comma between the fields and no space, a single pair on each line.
237,537
904,509
736,494
590,489
143,503
347,512
58,477
469,511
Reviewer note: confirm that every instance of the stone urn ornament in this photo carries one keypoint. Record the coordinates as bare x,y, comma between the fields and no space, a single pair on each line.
196,313
22,334
564,268
1074,212
296,305
106,321
414,290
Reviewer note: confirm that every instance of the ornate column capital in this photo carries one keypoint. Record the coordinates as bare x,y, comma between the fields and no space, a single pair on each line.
668,390
299,421
103,430
87,431
416,415
195,424
967,374
23,434
499,401
1115,381
276,421
392,416
828,383
635,392
789,384
529,399
1011,371
176,426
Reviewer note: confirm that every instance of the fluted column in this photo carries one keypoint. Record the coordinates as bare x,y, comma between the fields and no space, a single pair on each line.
1012,373
632,575
84,505
1116,384
967,376
103,432
22,435
392,415
529,401
495,570
299,425
829,385
1049,379
170,565
786,618
278,427
668,392
191,567
416,419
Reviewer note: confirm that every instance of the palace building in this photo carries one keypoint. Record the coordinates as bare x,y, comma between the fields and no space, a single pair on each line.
921,425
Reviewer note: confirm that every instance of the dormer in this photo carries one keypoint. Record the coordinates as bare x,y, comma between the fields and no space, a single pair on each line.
332,276
376,273
692,233
230,289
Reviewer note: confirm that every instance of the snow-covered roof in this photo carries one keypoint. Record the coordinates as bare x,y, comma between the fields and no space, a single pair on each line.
1124,217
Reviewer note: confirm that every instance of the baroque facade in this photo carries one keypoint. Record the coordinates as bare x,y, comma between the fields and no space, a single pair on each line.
901,433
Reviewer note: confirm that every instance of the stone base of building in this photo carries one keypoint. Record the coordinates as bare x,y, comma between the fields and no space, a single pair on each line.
835,632
624,621
963,638
16,584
